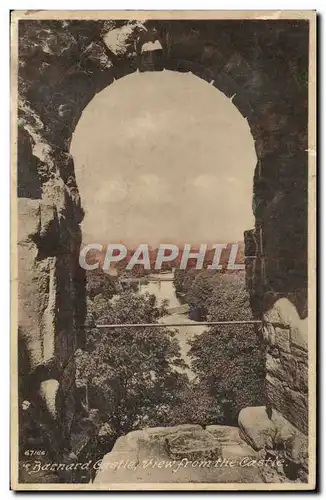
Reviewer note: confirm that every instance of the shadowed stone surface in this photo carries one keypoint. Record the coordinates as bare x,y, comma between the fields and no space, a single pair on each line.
276,435
181,454
231,443
286,337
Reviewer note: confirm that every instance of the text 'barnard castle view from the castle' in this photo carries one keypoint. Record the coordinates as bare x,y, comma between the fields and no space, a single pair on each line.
162,253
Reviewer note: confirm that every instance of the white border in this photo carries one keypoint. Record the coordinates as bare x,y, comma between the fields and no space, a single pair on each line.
4,171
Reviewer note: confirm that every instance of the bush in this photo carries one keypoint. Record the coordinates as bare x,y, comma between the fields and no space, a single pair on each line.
227,358
131,374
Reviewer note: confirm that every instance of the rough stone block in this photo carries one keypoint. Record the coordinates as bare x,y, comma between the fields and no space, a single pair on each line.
299,334
28,218
97,55
180,454
28,313
296,373
121,40
293,405
269,334
283,312
275,433
48,321
231,443
276,368
48,392
159,432
68,376
256,428
49,220
282,339
226,434
194,445
302,377
300,354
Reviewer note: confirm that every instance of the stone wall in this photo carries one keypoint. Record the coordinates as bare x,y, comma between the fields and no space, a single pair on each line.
262,66
286,336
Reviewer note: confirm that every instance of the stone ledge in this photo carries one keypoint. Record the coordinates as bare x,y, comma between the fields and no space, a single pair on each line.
284,314
275,433
181,454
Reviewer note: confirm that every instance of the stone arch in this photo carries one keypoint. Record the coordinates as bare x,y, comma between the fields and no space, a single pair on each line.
62,65
74,62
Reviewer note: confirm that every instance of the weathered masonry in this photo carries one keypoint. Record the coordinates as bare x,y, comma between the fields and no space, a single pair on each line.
263,67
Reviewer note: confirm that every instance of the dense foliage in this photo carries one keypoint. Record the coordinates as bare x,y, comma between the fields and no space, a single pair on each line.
131,374
227,359
135,376
100,283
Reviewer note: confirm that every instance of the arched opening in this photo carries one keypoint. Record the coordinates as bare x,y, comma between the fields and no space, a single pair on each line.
164,156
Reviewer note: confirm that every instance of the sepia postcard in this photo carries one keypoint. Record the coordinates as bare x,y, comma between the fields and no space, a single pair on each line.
163,225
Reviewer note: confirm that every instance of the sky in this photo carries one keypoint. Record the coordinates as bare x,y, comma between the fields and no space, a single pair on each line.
164,157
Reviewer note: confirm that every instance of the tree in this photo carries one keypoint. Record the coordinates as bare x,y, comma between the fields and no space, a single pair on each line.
200,293
195,405
132,373
227,358
183,279
100,283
